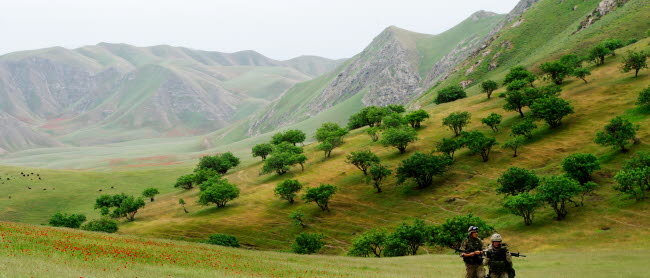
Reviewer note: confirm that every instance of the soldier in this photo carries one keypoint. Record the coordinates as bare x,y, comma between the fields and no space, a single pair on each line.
498,258
473,255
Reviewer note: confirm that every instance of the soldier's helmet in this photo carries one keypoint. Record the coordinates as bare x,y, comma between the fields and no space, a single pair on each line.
472,229
496,237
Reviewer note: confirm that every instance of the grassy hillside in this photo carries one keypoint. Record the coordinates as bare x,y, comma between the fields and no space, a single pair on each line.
546,32
259,219
53,252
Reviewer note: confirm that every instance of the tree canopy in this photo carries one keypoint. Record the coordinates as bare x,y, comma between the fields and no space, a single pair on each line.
399,138
456,121
450,93
617,133
422,168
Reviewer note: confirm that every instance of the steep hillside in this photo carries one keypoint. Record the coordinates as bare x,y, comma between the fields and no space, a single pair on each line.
117,92
547,31
392,69
260,220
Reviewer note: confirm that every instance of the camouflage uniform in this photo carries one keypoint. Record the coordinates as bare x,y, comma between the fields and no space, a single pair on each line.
498,260
473,265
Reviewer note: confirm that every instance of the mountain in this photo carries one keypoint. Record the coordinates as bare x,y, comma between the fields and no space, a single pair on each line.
394,68
547,30
117,92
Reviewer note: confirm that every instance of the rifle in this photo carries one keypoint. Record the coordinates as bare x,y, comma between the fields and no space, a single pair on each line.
464,251
517,254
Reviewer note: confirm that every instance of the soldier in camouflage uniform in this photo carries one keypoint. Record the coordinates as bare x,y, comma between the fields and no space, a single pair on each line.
498,258
473,256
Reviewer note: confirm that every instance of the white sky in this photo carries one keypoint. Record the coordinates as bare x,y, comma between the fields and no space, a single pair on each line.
280,29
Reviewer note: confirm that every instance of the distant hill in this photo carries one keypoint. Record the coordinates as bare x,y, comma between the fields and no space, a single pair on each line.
117,92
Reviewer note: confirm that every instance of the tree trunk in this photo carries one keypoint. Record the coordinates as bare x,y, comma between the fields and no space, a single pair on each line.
515,155
636,73
152,199
521,113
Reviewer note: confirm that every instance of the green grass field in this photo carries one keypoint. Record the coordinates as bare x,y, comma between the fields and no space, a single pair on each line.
34,251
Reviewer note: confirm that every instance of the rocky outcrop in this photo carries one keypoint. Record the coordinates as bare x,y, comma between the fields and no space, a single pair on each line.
604,7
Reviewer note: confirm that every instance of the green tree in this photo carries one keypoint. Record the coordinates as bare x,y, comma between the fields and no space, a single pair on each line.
415,118
551,110
396,108
453,231
635,61
185,181
219,192
493,121
634,178
579,166
182,203
377,173
223,240
612,45
67,220
585,189
617,133
293,136
202,175
362,160
101,225
393,120
373,132
524,205
572,61
478,143
411,236
524,128
449,146
556,71
220,163
287,189
330,135
306,243
516,180
581,73
451,93
514,144
644,99
284,156
519,73
297,218
422,168
489,86
557,191
516,101
399,138
321,195
122,205
150,193
597,54
262,150
456,121
369,243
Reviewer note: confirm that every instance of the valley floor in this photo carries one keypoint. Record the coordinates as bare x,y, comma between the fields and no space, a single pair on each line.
37,251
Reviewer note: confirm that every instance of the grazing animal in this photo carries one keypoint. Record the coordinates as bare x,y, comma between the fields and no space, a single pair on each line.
29,187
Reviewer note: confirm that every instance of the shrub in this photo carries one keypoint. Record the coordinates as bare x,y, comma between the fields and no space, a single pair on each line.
362,160
262,150
551,110
579,166
450,94
524,128
320,195
456,121
489,86
369,243
150,193
416,117
449,146
422,168
218,191
514,144
223,240
101,225
453,231
635,61
399,138
557,191
287,189
306,243
493,121
617,133
644,99
409,236
67,220
516,181
220,163
478,143
523,205
376,174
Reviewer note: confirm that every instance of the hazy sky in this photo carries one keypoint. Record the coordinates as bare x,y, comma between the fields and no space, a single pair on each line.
280,29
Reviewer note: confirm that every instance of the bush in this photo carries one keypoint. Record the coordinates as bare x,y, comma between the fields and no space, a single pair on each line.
407,238
373,132
551,109
220,163
330,135
450,94
369,243
122,204
493,121
422,168
644,99
617,133
223,240
456,121
393,120
262,150
635,61
579,166
634,178
519,73
416,117
524,128
101,225
399,138
489,86
376,174
186,182
453,231
523,205
287,189
150,193
557,191
67,220
449,146
514,144
320,195
517,180
362,160
218,191
306,243
478,143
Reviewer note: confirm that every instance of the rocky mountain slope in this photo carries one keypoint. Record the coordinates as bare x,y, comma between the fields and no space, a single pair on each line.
394,68
116,92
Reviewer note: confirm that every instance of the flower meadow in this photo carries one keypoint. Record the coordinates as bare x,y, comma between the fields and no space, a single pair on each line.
107,255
